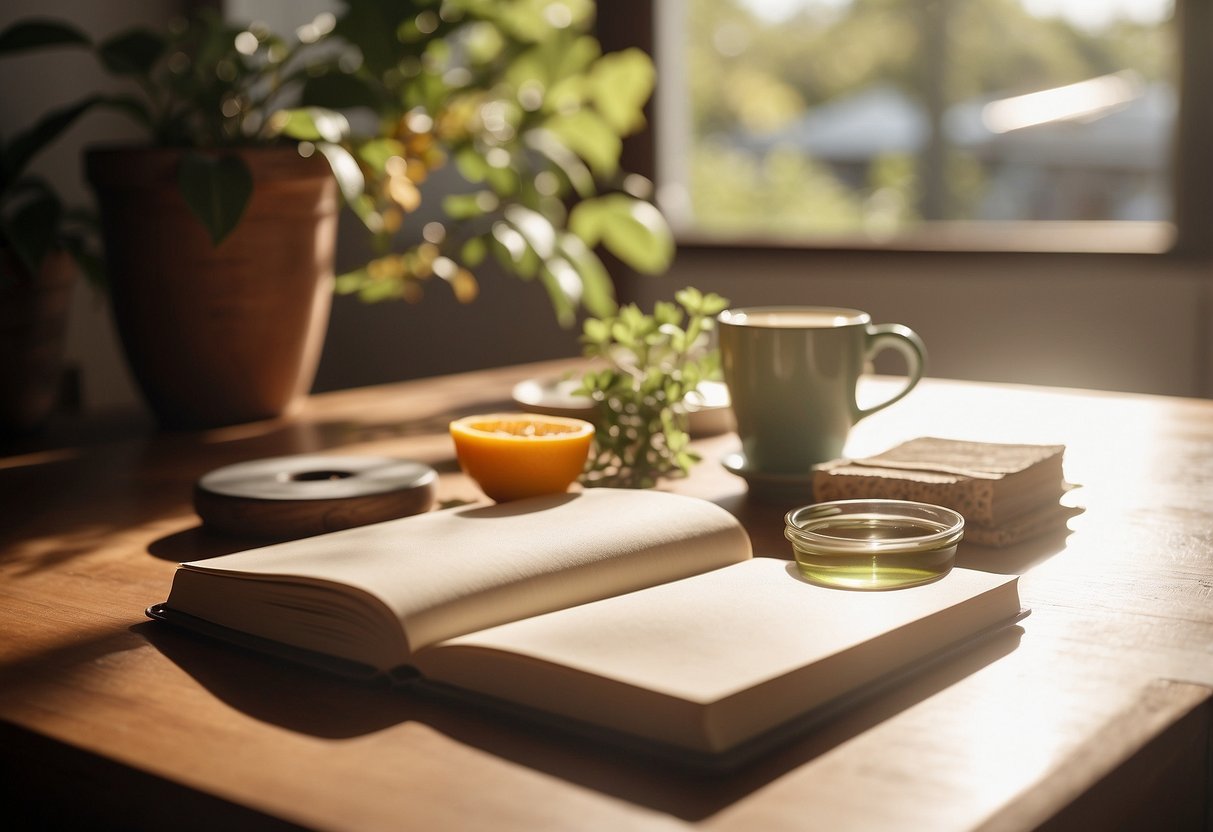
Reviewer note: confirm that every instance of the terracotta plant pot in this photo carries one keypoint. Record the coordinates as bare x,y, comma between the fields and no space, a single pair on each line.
218,335
33,326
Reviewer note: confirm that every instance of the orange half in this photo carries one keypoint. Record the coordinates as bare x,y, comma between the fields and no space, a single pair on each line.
516,455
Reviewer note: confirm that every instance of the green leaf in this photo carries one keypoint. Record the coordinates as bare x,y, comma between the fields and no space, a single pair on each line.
312,124
590,137
598,292
631,229
376,152
665,312
216,189
474,251
535,228
351,282
38,34
132,53
472,165
690,298
596,331
513,251
29,143
463,206
345,169
563,287
574,58
371,25
503,181
619,84
565,160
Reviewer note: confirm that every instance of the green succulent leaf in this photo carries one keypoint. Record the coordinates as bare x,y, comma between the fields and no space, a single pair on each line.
40,34
217,189
642,435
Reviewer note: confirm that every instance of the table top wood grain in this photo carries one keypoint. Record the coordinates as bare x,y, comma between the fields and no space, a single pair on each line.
119,716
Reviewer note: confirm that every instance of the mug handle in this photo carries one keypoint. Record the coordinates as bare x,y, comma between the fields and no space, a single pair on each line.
905,341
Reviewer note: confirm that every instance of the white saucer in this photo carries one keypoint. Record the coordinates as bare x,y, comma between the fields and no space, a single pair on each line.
708,407
552,397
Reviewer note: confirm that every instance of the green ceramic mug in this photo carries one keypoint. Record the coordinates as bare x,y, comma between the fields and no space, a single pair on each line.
792,372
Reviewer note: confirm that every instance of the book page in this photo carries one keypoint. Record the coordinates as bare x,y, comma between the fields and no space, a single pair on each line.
707,662
451,572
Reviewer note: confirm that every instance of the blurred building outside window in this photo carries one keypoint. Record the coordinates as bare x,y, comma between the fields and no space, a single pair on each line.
886,121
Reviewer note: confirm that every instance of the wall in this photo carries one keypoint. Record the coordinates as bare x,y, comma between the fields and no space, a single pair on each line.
1116,322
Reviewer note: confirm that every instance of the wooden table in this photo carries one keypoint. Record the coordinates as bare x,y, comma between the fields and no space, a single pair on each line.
1095,712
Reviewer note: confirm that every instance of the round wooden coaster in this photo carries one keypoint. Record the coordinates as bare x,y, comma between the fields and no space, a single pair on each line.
299,496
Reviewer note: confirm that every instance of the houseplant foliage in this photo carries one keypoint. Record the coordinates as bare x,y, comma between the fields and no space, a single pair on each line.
518,96
207,345
515,96
33,220
39,239
655,362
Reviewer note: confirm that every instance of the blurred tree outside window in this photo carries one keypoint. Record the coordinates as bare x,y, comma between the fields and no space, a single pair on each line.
878,119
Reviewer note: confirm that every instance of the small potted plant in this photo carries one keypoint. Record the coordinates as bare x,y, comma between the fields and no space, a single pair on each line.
43,245
655,365
250,144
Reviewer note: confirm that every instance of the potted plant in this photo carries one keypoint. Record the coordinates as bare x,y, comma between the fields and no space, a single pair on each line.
42,246
653,366
516,97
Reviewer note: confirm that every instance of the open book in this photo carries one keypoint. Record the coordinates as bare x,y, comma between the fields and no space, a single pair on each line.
639,614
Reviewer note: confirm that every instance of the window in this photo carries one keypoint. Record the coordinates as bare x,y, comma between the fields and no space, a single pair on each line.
1038,124
1109,304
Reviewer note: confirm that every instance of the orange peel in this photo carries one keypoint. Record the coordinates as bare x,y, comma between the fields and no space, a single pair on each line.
517,455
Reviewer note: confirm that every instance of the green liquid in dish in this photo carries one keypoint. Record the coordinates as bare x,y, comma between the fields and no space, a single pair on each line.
899,557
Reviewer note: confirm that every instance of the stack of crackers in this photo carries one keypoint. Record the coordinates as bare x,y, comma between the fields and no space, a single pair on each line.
1006,493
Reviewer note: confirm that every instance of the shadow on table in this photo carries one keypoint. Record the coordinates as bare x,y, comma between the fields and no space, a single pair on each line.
301,700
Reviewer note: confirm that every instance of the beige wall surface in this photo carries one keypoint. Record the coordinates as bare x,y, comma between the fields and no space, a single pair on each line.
1136,323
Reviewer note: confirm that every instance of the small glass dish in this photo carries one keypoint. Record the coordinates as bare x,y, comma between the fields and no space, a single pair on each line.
873,544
